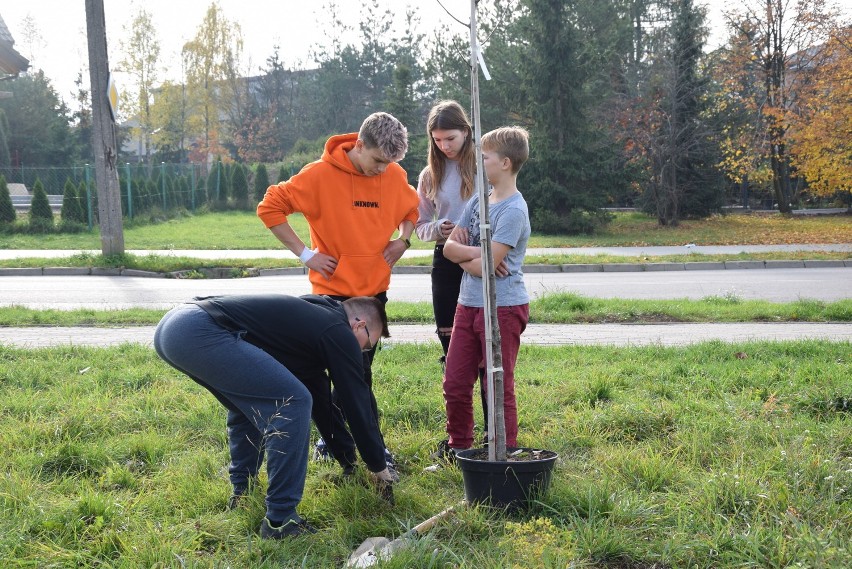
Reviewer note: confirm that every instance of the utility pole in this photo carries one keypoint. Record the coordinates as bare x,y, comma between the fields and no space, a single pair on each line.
104,143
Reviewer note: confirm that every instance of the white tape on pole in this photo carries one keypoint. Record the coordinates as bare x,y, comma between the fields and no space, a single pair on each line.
482,63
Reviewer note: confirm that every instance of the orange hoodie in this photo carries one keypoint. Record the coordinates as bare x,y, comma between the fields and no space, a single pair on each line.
351,216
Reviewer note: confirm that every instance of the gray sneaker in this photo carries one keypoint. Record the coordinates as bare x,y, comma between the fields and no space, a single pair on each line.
291,528
321,452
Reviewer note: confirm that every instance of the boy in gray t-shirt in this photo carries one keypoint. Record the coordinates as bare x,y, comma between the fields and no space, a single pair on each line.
504,151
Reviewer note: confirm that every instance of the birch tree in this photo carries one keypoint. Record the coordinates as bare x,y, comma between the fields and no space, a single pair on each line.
211,62
141,61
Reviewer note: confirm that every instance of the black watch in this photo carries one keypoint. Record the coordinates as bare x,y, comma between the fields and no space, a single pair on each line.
407,242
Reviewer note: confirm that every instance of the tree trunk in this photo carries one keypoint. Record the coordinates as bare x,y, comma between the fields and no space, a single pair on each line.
493,351
781,179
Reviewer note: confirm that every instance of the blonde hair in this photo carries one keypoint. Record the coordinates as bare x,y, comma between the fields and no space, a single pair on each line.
513,142
385,132
449,115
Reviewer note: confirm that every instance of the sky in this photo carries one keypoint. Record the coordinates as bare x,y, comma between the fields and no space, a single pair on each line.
61,50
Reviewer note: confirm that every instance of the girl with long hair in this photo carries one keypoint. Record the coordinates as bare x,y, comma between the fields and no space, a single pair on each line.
444,187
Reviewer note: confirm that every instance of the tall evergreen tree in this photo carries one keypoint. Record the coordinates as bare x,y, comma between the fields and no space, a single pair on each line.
401,103
39,123
683,180
448,67
81,118
562,183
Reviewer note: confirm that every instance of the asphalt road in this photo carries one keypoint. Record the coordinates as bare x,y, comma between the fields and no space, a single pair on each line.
121,292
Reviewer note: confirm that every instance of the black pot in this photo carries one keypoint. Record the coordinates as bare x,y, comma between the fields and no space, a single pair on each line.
509,484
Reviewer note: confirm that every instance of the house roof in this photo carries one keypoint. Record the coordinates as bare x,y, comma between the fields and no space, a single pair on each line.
11,62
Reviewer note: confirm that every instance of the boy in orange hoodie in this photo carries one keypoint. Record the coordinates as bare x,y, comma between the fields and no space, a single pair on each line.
354,198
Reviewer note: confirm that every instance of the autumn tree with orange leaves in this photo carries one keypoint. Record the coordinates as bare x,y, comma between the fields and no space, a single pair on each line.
771,55
821,131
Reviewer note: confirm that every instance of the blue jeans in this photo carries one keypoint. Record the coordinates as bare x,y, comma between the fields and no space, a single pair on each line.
269,409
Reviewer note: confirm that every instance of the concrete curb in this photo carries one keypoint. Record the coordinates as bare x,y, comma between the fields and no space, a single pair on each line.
232,272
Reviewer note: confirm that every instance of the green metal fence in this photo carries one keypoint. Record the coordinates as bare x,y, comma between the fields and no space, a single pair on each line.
144,187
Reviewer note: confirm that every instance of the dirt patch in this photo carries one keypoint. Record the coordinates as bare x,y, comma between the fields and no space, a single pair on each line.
514,455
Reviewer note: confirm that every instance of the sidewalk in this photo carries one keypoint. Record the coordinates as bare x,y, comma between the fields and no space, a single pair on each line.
281,253
536,334
639,252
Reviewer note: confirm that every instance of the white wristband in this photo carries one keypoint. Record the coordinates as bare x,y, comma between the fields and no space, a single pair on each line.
306,255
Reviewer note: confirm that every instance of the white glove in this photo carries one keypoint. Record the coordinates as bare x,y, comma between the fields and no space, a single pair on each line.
388,476
384,482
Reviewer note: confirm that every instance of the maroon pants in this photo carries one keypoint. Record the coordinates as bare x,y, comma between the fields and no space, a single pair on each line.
467,350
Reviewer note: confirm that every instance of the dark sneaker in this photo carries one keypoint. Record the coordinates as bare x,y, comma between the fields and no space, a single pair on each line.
444,452
234,501
386,492
238,493
321,452
444,456
291,528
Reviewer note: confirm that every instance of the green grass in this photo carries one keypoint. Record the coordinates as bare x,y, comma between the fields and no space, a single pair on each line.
243,230
557,308
712,455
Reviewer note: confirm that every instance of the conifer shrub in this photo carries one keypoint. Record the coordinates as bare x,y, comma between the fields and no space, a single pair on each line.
200,191
150,194
88,201
72,210
261,182
239,187
41,216
7,210
217,186
184,193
